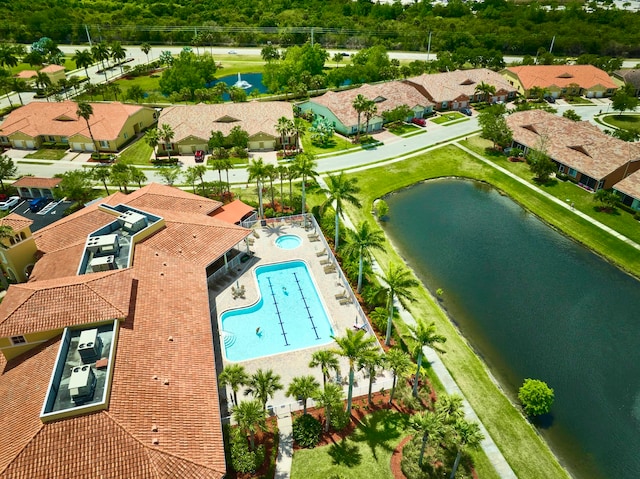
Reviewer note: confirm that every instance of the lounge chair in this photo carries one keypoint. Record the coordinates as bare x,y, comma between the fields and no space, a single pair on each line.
330,268
313,235
346,300
314,239
341,295
325,261
321,253
362,326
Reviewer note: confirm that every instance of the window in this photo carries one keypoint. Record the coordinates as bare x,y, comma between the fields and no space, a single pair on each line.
573,173
126,135
600,185
52,138
104,143
561,169
64,140
18,340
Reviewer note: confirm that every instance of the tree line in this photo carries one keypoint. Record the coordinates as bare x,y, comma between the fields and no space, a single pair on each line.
509,27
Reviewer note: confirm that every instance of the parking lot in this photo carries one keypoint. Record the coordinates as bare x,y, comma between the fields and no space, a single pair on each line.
50,213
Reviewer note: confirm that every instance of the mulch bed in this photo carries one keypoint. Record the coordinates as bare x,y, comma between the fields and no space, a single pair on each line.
268,438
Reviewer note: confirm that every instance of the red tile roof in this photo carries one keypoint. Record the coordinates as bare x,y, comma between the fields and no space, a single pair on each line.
166,297
630,186
233,212
54,304
561,76
52,69
53,118
37,182
15,221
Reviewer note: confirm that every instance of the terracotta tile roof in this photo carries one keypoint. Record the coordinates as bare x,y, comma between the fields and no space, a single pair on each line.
630,75
630,186
54,304
27,74
233,212
579,145
544,76
389,95
37,182
59,264
52,69
53,118
15,221
162,197
199,120
168,289
459,84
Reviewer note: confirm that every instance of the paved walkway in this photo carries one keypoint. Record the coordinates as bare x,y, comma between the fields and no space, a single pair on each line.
285,446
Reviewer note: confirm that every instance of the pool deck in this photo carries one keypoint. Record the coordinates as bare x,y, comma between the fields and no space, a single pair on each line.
342,314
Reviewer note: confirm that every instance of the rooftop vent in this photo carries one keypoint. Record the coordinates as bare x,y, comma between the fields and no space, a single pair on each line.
103,263
103,245
132,221
89,346
82,384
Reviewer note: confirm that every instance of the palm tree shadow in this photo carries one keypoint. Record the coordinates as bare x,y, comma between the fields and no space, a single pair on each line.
377,429
344,453
274,229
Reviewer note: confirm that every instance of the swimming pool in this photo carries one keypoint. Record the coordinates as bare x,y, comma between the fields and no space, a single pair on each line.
288,316
288,242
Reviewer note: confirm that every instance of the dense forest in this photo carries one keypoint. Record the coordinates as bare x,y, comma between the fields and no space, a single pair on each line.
512,28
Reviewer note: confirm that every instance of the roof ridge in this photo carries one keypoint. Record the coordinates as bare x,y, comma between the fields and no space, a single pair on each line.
106,299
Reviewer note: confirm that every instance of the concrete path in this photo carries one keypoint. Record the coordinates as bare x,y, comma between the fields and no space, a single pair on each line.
285,446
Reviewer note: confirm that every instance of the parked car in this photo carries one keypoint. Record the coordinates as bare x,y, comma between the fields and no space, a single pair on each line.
199,156
10,203
549,99
465,111
37,204
232,52
419,121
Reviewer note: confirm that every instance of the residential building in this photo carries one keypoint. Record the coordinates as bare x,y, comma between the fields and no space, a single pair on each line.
55,73
113,125
629,190
338,108
561,80
581,150
193,125
108,366
35,187
18,250
629,76
457,89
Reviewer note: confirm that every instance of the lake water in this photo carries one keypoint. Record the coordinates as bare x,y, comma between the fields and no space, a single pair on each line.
254,79
534,304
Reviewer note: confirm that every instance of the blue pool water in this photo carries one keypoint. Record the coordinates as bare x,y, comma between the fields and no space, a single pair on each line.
288,242
289,313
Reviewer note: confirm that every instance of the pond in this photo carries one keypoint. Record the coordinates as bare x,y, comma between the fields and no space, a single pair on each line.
533,303
253,79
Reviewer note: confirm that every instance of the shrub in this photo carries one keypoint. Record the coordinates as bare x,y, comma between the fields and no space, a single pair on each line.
339,419
242,459
536,397
306,430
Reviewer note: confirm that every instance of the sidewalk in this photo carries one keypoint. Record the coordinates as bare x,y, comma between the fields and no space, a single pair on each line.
285,446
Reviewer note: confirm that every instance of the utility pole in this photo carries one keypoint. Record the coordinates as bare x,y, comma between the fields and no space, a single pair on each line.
86,29
311,37
429,47
553,40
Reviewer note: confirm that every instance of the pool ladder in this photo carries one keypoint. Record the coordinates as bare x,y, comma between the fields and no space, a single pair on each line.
229,339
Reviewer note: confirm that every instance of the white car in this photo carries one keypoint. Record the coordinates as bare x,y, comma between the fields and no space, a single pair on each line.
10,203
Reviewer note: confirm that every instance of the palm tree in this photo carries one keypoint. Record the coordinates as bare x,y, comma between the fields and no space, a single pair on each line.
354,346
19,85
284,126
424,335
100,53
359,104
430,425
299,128
327,361
361,242
8,169
9,54
340,189
84,59
329,398
152,137
399,282
282,171
271,173
486,90
137,175
468,436
146,48
101,173
398,362
250,417
190,176
302,388
262,385
449,408
256,170
121,176
43,82
369,112
166,134
85,110
305,165
118,53
371,362
234,376
292,174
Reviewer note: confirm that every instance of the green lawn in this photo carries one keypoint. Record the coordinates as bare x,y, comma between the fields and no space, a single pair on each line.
47,154
447,117
366,454
578,100
138,153
401,129
526,452
337,144
627,121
